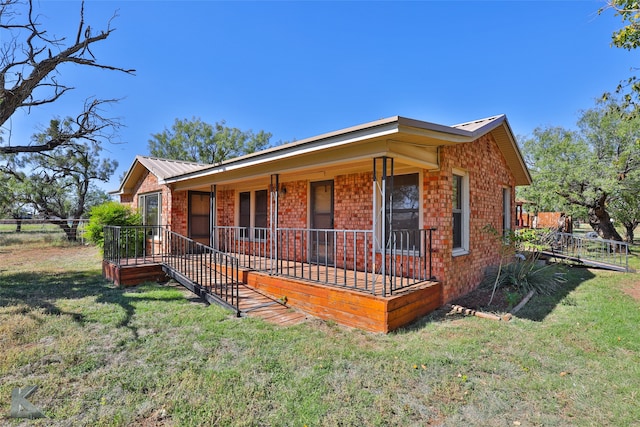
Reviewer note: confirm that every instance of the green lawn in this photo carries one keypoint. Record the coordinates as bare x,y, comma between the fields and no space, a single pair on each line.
152,355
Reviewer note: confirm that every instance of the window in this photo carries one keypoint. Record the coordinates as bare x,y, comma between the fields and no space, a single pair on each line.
149,205
403,211
506,210
253,213
460,213
199,216
260,211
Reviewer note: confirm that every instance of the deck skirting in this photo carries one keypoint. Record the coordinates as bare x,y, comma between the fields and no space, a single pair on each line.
352,308
131,275
344,306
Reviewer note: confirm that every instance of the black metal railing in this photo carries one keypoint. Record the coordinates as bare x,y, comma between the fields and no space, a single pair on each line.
212,271
132,245
351,259
345,258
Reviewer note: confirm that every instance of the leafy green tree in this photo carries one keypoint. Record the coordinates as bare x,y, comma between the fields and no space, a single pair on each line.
11,204
61,182
627,37
626,210
196,141
590,169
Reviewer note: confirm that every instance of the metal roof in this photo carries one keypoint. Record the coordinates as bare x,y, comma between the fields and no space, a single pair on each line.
165,168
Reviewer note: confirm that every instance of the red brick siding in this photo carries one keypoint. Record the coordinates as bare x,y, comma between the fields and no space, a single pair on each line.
179,215
225,207
353,201
293,205
488,175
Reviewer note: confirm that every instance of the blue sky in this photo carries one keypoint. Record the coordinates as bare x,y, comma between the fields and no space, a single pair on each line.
299,69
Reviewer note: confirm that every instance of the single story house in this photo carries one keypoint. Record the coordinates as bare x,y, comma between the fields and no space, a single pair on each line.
384,209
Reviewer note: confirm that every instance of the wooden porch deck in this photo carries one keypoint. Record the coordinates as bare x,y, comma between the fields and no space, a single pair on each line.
262,294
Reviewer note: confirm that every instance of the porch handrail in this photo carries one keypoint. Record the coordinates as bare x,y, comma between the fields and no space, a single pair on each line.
595,250
345,258
127,244
215,272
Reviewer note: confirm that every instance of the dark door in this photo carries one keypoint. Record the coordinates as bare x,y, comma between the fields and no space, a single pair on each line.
322,238
199,217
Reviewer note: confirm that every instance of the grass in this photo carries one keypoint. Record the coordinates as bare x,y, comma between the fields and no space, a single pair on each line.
152,355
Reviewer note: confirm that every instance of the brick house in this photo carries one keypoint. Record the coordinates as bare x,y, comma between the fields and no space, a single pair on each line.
398,198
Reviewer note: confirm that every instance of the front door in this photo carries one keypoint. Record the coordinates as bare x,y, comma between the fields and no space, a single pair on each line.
199,219
322,238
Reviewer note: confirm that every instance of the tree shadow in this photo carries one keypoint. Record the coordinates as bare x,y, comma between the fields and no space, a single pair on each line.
45,292
537,309
540,306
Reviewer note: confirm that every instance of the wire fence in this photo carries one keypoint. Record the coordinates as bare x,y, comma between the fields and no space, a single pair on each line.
52,228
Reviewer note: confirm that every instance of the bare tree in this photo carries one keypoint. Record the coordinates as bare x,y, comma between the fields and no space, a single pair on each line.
29,70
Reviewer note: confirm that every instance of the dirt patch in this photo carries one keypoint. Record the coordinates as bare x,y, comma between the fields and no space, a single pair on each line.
479,298
633,289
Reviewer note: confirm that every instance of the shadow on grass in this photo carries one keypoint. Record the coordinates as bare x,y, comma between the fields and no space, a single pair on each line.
540,306
537,309
44,292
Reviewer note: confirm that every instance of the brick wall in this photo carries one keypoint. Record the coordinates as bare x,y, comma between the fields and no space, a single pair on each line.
488,175
179,213
353,201
225,207
293,205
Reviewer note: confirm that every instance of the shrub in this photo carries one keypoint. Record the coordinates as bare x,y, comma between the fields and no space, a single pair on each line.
109,213
526,275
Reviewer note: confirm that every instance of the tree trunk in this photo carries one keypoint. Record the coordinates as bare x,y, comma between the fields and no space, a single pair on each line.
70,231
629,227
601,222
18,226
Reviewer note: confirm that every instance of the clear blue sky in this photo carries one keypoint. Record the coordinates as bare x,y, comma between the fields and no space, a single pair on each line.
299,69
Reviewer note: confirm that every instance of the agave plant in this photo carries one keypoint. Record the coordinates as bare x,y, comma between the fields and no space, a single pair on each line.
523,270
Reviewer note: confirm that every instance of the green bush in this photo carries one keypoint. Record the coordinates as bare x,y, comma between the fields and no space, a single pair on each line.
109,213
526,274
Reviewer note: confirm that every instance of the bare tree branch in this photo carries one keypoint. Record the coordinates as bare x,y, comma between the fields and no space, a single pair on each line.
29,65
90,125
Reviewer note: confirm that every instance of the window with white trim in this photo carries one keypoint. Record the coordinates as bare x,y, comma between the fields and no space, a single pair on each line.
460,209
150,208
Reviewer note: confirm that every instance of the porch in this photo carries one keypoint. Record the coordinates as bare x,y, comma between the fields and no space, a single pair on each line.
336,275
